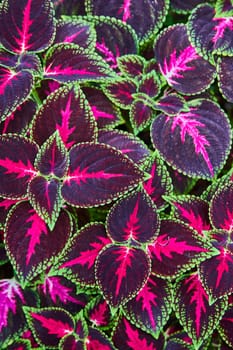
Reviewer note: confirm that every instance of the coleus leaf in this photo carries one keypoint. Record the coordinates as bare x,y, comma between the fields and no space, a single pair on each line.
61,292
98,340
159,183
114,39
49,325
38,246
15,87
82,252
69,8
147,24
192,210
68,62
209,33
106,113
78,32
127,143
12,299
131,65
121,92
71,341
5,205
149,84
133,219
225,326
221,208
99,312
189,145
193,310
44,195
66,110
126,267
177,248
20,345
18,121
222,6
140,115
100,171
26,25
171,104
30,62
185,7
128,337
225,82
17,155
151,308
179,62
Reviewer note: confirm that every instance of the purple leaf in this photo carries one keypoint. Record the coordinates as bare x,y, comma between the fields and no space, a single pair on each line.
30,62
12,298
189,145
210,32
194,311
159,183
114,39
71,341
105,112
221,208
69,8
61,292
225,326
20,345
194,211
140,115
98,174
99,313
126,268
38,246
131,65
74,31
52,159
150,85
133,218
121,92
15,87
179,62
45,198
17,155
98,340
127,143
26,25
225,81
49,324
177,248
67,111
68,62
126,336
151,308
145,17
19,120
185,6
84,248
7,59
5,205
171,104
216,272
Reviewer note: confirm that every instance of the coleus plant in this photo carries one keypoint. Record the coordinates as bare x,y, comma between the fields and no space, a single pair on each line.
116,176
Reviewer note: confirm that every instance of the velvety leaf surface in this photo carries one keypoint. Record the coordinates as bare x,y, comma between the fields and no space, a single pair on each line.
114,39
225,81
98,340
15,87
150,84
17,155
176,249
26,25
30,62
133,218
185,6
145,17
38,246
159,183
221,208
5,205
209,32
106,113
193,310
121,272
225,326
194,211
68,62
49,324
151,308
127,143
45,198
78,32
20,345
121,92
84,248
71,7
128,337
12,298
140,115
179,62
189,145
67,111
71,341
131,65
8,59
61,292
19,120
171,104
98,174
99,312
